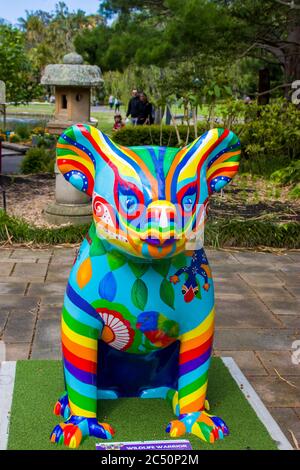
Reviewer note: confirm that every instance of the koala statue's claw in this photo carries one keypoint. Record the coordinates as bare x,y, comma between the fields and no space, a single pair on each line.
176,428
201,424
68,434
62,408
76,428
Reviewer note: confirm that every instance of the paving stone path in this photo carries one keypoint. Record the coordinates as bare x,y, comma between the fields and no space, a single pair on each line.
258,316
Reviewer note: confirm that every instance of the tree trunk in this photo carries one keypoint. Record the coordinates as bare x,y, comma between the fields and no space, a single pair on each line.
263,86
292,50
159,114
287,50
168,116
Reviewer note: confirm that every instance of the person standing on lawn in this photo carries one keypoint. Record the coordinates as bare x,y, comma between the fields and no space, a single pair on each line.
133,106
117,103
111,101
145,111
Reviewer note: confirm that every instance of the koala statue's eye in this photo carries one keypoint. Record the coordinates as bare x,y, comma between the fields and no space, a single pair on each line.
188,202
129,200
129,204
187,198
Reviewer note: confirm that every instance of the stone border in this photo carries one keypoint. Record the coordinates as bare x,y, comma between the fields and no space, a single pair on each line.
261,411
7,379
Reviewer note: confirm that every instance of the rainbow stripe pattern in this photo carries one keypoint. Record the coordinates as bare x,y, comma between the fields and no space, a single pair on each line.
194,359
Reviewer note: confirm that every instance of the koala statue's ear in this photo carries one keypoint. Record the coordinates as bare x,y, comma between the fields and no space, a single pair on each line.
77,156
223,159
80,150
218,153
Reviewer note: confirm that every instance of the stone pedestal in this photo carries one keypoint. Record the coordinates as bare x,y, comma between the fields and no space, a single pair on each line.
73,81
70,206
56,127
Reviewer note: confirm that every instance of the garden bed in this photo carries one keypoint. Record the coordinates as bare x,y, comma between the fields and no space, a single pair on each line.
245,198
250,213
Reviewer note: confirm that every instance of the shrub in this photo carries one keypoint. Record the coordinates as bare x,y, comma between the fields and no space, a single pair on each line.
287,175
14,138
295,192
38,160
38,130
156,135
270,135
46,140
23,131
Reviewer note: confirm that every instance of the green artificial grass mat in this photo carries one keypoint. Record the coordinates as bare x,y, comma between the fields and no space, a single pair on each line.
39,384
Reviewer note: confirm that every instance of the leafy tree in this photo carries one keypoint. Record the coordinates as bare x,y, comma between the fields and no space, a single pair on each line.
49,36
271,30
16,69
218,31
173,29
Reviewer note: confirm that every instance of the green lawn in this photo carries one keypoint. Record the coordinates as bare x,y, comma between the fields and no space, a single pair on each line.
105,118
38,384
32,108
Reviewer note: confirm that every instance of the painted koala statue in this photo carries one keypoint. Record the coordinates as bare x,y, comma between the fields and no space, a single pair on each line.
138,314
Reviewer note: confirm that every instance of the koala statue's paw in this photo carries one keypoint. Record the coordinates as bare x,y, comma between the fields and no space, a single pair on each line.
72,431
62,408
207,427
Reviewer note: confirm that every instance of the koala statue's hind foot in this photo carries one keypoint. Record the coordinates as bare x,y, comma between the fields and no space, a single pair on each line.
71,432
207,427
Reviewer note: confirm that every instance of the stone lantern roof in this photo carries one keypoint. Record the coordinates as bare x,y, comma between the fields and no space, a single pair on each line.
72,73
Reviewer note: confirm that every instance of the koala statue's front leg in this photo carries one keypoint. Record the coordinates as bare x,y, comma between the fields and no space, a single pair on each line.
194,360
80,328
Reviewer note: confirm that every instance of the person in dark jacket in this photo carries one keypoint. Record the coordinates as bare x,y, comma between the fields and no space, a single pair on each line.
133,107
145,111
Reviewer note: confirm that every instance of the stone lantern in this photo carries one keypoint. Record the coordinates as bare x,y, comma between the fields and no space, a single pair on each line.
73,82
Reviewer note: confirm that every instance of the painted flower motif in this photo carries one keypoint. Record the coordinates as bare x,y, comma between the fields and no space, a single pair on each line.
117,331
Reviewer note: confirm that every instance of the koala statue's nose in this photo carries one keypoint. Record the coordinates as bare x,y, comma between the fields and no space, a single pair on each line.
160,222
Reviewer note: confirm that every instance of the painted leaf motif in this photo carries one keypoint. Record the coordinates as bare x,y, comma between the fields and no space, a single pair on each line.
97,247
167,293
179,261
108,287
139,294
138,269
84,273
162,267
115,259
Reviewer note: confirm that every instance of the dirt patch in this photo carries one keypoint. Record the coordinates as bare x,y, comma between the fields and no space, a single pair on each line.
253,198
28,196
245,198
